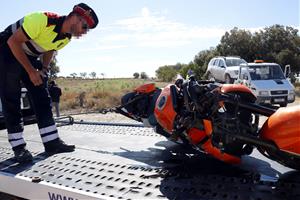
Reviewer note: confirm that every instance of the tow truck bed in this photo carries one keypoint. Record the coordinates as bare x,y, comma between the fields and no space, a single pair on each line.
131,162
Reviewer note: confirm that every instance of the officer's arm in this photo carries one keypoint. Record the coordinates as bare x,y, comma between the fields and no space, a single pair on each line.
15,44
47,57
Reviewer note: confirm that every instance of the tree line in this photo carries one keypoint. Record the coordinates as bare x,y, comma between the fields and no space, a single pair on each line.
277,43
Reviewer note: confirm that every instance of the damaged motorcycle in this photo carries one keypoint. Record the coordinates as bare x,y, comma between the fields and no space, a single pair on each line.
221,120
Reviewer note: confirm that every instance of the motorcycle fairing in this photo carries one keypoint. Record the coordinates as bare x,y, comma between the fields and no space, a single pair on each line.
283,128
196,135
146,88
139,105
165,108
217,153
202,138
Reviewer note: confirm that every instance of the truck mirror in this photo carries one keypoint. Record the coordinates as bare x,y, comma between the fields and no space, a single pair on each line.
287,71
245,77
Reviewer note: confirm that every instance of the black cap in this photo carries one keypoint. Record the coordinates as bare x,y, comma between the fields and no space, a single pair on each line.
87,13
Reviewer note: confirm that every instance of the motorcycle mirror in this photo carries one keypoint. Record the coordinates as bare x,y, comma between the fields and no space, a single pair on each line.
192,78
179,83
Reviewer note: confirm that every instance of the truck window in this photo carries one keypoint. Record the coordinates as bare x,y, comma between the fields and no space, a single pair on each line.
265,72
277,72
253,74
244,73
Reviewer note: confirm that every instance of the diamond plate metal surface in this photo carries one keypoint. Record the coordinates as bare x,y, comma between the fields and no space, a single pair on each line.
119,130
136,163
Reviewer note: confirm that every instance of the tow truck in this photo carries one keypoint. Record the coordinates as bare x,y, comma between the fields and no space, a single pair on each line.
267,82
124,160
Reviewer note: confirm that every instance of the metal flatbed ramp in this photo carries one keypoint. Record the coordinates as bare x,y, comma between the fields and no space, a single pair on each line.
123,162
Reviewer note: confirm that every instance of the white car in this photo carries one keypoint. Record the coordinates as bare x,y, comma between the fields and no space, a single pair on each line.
224,69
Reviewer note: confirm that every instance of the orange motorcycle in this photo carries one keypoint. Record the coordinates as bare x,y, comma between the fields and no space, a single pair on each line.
219,119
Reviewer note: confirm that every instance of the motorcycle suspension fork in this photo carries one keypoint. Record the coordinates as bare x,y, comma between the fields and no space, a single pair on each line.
252,107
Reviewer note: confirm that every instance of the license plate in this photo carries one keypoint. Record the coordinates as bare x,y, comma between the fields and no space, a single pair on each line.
279,100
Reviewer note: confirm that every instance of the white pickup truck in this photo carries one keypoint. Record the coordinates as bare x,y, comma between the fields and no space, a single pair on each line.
267,82
26,107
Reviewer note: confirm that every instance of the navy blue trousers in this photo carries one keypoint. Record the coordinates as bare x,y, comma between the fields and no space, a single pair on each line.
12,74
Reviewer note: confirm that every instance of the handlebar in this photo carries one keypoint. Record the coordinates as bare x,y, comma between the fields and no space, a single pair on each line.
202,94
253,107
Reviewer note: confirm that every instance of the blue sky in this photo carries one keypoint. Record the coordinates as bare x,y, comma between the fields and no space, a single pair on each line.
141,35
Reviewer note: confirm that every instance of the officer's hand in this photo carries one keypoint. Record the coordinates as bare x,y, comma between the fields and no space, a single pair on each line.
44,72
36,77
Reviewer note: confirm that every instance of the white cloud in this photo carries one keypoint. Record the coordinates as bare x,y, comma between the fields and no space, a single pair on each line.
116,37
105,59
148,21
150,29
145,12
154,29
108,47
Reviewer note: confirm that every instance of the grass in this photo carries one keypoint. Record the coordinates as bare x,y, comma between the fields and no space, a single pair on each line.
89,94
96,94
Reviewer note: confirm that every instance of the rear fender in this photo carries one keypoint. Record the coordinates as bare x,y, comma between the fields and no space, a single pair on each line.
236,88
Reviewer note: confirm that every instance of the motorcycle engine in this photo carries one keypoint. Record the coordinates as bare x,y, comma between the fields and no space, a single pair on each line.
230,123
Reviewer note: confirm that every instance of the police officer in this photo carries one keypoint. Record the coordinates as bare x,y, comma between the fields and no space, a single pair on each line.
37,35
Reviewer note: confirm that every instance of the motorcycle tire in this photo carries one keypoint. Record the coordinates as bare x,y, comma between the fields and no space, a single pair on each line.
284,158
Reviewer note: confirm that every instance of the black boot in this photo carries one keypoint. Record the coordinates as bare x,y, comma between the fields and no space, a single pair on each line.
22,155
58,146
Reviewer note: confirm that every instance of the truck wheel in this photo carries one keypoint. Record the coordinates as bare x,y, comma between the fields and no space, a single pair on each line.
228,79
